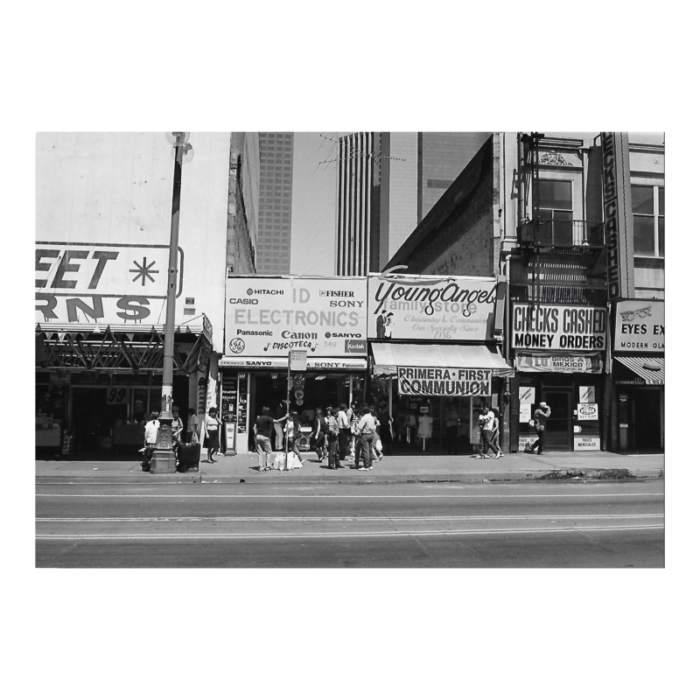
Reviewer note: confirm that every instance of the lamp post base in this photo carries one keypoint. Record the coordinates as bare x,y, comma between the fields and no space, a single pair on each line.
163,462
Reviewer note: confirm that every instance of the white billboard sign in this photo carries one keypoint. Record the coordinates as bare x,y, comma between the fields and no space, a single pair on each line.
640,325
268,317
430,308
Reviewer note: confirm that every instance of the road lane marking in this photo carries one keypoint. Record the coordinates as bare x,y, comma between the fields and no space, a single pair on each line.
346,518
355,496
350,535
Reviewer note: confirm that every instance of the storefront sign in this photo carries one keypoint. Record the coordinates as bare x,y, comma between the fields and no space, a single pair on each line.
548,327
640,325
100,283
297,361
586,394
525,412
583,443
327,317
526,394
617,209
588,411
563,364
280,363
444,381
430,308
526,441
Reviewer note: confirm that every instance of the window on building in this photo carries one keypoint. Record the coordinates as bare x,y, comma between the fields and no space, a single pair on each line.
649,209
554,208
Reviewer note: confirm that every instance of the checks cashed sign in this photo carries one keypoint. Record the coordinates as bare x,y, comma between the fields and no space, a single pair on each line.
549,327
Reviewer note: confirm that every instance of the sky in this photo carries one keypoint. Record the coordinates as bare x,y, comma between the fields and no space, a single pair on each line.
313,198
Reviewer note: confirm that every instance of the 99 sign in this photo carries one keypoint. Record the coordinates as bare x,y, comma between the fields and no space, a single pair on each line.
117,395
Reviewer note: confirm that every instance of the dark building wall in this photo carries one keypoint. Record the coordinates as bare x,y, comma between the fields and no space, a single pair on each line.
456,237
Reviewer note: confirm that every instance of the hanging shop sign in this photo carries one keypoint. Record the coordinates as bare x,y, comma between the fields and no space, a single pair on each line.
586,394
268,317
100,283
617,210
549,327
563,364
444,381
431,308
640,325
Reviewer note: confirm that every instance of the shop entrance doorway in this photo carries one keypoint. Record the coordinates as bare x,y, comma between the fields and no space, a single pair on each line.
93,418
559,434
647,419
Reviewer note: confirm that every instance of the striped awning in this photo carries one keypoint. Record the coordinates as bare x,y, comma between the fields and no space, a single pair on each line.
389,356
650,369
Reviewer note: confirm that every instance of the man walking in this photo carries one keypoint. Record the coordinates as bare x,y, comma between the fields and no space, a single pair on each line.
263,433
367,427
487,421
541,416
344,435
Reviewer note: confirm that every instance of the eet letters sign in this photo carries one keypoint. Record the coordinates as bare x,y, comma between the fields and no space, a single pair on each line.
640,325
548,327
444,381
430,308
326,317
107,283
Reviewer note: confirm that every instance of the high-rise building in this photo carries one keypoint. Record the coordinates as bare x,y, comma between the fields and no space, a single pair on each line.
273,250
387,183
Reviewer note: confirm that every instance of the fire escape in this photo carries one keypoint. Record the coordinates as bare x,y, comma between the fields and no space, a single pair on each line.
560,257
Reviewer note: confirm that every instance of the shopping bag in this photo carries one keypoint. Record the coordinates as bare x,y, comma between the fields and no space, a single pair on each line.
379,447
293,462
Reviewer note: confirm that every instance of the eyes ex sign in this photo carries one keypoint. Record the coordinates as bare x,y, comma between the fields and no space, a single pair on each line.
547,327
640,325
99,282
444,381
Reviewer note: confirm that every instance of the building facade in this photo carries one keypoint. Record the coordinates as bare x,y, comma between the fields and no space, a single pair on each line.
537,211
103,225
274,225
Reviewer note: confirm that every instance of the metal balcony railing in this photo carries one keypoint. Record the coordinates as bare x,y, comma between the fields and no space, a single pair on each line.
561,234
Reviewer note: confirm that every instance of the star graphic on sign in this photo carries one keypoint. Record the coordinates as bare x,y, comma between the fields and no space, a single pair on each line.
144,271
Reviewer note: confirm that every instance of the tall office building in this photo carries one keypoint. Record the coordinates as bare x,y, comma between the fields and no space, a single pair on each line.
273,252
387,183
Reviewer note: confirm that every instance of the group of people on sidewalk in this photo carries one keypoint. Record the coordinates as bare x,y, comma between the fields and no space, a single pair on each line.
337,433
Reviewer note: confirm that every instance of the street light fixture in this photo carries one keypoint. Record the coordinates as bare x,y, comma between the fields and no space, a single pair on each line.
163,460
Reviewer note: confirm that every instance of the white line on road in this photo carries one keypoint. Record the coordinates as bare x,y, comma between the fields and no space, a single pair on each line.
365,496
348,535
325,519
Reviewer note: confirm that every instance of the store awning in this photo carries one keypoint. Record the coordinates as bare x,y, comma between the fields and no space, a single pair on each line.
353,364
650,369
389,356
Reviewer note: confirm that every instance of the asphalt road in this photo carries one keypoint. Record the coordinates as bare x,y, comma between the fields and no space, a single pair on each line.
589,524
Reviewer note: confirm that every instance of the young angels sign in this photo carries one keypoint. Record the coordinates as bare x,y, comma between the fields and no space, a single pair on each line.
444,381
546,327
430,308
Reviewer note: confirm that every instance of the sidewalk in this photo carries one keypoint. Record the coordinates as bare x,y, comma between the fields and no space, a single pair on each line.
406,469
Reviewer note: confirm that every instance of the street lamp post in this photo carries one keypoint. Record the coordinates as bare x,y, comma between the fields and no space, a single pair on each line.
163,460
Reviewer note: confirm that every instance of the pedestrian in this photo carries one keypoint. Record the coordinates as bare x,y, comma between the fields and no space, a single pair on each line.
486,423
451,428
319,435
366,426
497,432
542,414
345,435
192,424
263,434
212,425
377,446
386,429
279,414
292,432
150,438
177,426
333,440
353,419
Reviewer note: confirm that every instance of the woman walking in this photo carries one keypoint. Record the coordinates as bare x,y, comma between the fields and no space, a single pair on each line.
212,425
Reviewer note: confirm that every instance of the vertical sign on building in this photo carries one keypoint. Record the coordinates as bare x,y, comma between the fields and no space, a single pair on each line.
617,210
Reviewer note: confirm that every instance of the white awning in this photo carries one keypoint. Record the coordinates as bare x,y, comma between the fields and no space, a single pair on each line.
355,364
389,356
650,369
